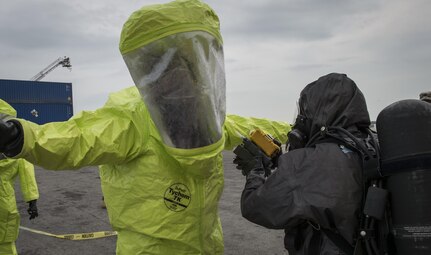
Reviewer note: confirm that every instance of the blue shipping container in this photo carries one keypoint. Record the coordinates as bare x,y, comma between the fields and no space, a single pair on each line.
38,101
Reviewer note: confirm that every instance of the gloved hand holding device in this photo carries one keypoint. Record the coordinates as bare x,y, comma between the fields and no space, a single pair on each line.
259,153
250,157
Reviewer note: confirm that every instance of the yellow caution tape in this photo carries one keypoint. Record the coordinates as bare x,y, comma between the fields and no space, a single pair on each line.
80,236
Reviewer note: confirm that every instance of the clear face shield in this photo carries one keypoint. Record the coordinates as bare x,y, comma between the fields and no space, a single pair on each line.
297,137
296,112
182,81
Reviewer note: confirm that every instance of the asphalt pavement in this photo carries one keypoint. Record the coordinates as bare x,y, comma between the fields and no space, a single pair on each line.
70,202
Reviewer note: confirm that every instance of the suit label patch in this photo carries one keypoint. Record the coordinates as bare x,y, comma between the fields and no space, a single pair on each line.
177,197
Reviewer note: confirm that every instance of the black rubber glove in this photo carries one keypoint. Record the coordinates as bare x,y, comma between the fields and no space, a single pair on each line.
250,157
11,138
32,209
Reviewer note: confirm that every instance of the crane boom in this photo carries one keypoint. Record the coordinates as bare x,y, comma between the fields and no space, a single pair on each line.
63,61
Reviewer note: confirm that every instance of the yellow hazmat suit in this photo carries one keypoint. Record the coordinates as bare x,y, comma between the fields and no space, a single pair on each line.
159,144
9,169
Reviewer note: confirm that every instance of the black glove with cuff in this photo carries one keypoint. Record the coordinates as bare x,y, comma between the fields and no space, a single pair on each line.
32,209
249,157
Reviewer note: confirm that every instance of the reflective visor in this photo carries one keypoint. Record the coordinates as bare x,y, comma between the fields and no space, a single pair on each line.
181,79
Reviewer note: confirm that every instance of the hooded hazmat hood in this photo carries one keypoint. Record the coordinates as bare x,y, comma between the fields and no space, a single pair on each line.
154,22
174,54
334,100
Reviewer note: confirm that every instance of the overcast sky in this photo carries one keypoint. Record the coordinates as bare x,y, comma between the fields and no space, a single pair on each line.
272,48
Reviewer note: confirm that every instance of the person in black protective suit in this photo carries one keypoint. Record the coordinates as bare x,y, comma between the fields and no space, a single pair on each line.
425,96
315,193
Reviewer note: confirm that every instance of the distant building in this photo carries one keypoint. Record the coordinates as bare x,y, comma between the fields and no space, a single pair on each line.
38,101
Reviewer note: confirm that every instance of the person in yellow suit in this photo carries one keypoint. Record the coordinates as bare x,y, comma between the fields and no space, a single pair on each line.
159,144
9,169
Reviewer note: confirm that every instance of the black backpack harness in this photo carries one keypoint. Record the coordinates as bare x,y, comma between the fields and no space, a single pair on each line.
373,235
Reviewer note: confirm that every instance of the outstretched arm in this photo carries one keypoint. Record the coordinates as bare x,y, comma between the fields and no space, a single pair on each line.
108,135
238,127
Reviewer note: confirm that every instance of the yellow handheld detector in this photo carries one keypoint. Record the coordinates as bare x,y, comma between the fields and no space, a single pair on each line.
265,142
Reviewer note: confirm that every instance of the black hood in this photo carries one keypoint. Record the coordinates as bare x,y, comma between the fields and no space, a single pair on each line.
334,100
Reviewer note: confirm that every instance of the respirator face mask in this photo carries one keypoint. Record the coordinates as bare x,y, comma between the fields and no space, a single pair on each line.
298,136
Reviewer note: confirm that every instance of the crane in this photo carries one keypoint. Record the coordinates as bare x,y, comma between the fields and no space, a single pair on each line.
63,61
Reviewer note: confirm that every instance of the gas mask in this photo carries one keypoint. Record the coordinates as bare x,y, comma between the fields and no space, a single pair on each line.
298,136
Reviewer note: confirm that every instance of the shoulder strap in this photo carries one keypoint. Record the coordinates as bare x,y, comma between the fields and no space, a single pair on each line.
337,239
315,242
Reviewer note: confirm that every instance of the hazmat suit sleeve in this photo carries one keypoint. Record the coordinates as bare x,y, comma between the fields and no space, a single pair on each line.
237,127
27,180
109,135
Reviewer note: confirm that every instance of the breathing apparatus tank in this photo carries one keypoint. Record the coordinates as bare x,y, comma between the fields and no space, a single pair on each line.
404,130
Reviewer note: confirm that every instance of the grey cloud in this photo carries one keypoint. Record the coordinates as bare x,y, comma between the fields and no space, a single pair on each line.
307,67
48,25
292,19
